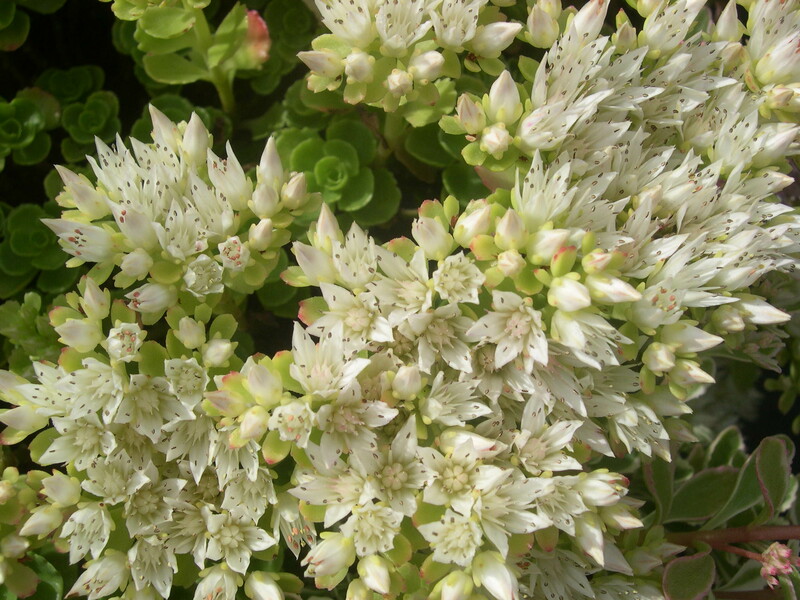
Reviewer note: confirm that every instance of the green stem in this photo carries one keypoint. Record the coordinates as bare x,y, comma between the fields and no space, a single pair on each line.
217,75
735,535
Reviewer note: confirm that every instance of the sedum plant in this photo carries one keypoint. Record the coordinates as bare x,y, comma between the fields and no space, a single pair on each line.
494,407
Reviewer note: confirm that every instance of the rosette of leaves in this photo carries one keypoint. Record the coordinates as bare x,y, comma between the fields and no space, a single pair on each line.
292,26
29,335
15,24
341,167
178,108
131,10
73,84
84,121
23,126
28,252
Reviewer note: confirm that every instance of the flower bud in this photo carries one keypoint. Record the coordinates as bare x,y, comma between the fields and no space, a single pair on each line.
258,40
62,490
260,586
259,236
545,243
407,383
728,28
504,104
333,554
455,586
687,338
324,63
359,66
316,265
190,333
490,571
270,168
426,66
265,201
611,289
659,358
195,142
253,425
96,303
432,237
759,312
81,334
688,372
295,193
551,7
327,229
470,114
217,352
589,19
568,295
374,572
490,40
495,140
784,97
399,83
625,38
42,521
86,198
152,298
472,224
357,590
136,264
543,29
24,418
510,231
589,535
727,319
13,546
510,262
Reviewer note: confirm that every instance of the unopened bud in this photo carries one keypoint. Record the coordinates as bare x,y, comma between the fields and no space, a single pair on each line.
568,295
687,338
96,303
470,114
136,264
510,231
81,334
728,28
295,192
13,546
727,319
545,243
490,40
688,372
399,83
261,586
472,224
324,63
495,140
432,237
152,298
426,66
375,573
510,262
455,586
543,29
259,235
659,358
195,141
490,570
61,489
42,521
190,333
407,383
254,423
217,352
359,66
503,105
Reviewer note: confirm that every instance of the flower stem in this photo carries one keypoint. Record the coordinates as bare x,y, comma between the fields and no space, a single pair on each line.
217,75
734,535
740,551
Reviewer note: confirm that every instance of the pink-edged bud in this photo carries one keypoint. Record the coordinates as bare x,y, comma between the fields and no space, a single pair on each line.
490,40
727,319
124,341
503,104
258,39
777,560
42,521
62,490
543,29
260,235
470,114
322,62
612,290
190,333
136,264
83,194
316,265
263,384
495,140
490,571
261,586
455,586
399,82
359,67
686,338
688,372
81,334
544,244
568,295
135,226
759,312
234,254
217,352
510,231
728,28
432,237
375,572
152,298
407,383
659,358
13,546
228,405
295,193
589,20
196,141
357,590
333,554
96,303
511,262
779,64
426,66
253,425
473,223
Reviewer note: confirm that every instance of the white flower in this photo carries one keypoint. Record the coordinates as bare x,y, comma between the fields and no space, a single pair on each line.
323,369
102,577
88,530
193,440
203,276
440,333
80,443
454,538
147,403
333,554
152,564
404,291
124,341
234,538
217,583
541,446
251,496
234,254
458,279
358,316
568,295
152,298
88,243
187,380
293,422
491,571
114,479
150,506
400,25
451,403
591,338
455,22
372,528
350,20
515,327
454,476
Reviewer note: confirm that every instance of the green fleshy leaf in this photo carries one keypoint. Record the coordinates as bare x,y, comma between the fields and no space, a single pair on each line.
358,191
43,7
11,285
153,45
703,495
51,582
15,34
57,281
423,144
11,264
462,181
173,69
229,36
745,495
385,201
275,294
528,66
473,154
331,173
689,577
727,446
492,66
166,22
344,152
35,152
306,154
47,104
7,11
774,471
658,476
357,134
74,152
